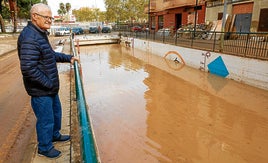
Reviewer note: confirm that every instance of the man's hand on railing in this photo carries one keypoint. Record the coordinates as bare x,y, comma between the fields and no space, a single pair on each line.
74,59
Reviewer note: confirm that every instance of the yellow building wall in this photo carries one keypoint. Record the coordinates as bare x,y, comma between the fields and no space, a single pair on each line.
258,5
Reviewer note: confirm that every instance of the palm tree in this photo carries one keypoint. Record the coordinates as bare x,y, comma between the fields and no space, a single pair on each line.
68,8
62,11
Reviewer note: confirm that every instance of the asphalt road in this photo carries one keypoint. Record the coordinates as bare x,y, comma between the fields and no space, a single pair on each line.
16,117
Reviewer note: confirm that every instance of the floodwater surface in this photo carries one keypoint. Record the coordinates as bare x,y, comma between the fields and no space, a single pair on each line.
145,109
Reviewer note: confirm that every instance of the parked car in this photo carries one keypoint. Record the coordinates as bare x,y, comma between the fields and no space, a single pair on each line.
77,30
93,30
136,29
163,32
106,30
62,31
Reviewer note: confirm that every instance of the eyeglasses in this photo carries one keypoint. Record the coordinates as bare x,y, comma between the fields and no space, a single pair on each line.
45,17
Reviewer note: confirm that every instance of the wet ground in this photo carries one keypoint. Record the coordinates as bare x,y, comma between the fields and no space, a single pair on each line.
146,109
17,121
14,106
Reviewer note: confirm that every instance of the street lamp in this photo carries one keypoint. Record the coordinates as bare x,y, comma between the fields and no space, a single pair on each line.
195,16
223,24
149,8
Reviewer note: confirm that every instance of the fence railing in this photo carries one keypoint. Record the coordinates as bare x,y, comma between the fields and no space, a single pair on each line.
250,45
88,146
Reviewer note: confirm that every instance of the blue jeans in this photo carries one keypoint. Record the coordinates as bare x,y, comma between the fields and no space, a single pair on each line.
47,110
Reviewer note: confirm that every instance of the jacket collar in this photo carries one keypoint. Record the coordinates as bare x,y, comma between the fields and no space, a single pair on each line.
37,28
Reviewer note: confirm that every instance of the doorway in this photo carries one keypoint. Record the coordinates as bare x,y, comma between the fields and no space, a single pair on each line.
243,22
178,20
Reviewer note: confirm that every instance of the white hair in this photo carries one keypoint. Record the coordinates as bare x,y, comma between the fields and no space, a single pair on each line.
39,7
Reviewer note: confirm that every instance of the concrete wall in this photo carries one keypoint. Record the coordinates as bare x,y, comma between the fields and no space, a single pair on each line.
258,5
249,71
212,12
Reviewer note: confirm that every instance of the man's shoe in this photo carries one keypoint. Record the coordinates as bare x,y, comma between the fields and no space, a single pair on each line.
52,154
62,138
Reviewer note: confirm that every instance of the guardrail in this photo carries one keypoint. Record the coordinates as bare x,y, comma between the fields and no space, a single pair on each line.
88,147
243,44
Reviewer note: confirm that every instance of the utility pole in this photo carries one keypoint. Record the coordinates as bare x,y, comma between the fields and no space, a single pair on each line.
195,16
149,21
223,24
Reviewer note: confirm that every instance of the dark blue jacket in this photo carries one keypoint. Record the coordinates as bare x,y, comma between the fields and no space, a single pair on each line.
38,62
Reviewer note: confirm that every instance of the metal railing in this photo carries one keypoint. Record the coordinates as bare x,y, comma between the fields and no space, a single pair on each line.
250,45
88,147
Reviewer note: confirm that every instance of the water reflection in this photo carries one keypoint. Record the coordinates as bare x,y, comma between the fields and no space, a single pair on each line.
145,111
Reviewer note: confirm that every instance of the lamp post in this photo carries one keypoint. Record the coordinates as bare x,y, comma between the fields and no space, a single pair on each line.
195,16
223,24
149,8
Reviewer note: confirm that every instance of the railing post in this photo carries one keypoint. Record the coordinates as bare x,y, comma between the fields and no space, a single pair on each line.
176,37
214,42
163,36
246,45
192,38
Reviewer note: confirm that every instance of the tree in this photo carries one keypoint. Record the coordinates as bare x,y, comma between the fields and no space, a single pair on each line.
14,9
24,7
3,8
126,10
89,14
68,8
113,10
63,10
13,13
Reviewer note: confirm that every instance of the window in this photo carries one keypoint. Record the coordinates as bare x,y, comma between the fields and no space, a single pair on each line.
160,22
220,15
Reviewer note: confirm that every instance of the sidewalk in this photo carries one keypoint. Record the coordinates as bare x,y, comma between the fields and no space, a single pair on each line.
65,97
65,147
7,43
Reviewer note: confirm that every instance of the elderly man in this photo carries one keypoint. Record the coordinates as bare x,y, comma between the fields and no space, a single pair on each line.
41,80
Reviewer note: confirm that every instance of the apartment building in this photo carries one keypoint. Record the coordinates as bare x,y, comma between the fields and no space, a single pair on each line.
242,15
245,15
175,13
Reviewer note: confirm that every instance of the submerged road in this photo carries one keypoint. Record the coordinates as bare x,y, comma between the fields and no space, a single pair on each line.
147,109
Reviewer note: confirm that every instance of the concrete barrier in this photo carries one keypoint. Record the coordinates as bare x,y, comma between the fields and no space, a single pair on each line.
246,70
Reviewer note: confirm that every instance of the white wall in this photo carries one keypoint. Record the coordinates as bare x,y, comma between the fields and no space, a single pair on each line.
246,70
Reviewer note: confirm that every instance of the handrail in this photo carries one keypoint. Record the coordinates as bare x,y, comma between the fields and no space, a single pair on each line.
88,147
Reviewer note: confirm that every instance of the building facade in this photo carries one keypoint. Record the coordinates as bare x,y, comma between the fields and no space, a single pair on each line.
243,15
173,14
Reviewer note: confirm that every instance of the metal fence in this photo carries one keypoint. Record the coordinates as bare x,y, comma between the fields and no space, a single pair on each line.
250,45
89,152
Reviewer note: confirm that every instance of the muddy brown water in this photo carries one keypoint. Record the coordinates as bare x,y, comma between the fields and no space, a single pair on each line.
146,109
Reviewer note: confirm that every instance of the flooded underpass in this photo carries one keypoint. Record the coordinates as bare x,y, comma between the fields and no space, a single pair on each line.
146,109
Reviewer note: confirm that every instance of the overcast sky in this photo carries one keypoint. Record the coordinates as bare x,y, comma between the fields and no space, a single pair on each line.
76,4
